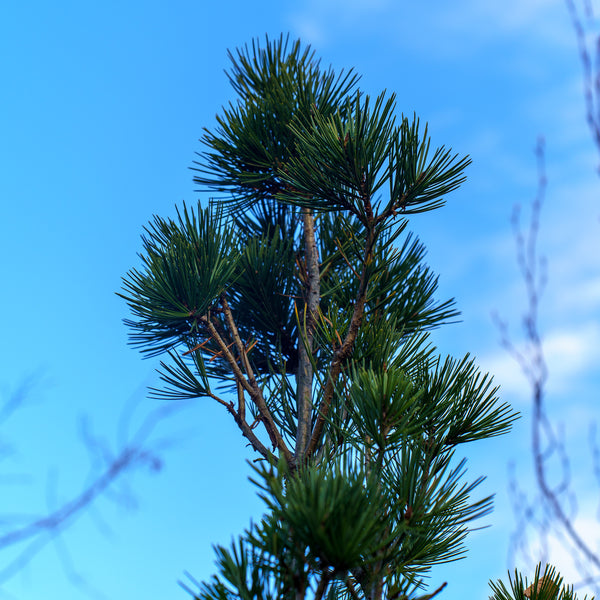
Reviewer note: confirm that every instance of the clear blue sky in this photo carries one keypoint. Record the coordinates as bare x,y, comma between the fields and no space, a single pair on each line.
101,108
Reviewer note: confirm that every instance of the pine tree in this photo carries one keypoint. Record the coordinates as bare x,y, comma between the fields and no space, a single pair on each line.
297,299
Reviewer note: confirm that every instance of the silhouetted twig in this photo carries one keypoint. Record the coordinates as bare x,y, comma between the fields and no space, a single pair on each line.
591,67
108,469
553,508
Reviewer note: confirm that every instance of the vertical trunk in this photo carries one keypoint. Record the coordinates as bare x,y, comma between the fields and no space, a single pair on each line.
305,375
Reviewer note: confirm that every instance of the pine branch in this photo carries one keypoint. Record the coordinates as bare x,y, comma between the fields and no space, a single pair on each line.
255,394
249,434
322,585
238,341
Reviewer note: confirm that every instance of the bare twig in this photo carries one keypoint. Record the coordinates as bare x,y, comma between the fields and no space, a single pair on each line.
435,592
107,469
255,394
236,338
553,510
591,70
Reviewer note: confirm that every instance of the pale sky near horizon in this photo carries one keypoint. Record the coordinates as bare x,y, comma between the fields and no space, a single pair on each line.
101,109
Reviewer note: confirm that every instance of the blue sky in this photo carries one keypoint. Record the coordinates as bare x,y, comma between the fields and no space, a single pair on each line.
101,109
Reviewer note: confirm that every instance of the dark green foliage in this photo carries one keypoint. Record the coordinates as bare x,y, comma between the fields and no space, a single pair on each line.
302,297
262,300
275,84
351,528
187,265
345,160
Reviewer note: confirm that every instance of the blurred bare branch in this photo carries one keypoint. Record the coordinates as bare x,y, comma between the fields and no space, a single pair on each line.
108,477
583,24
549,507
